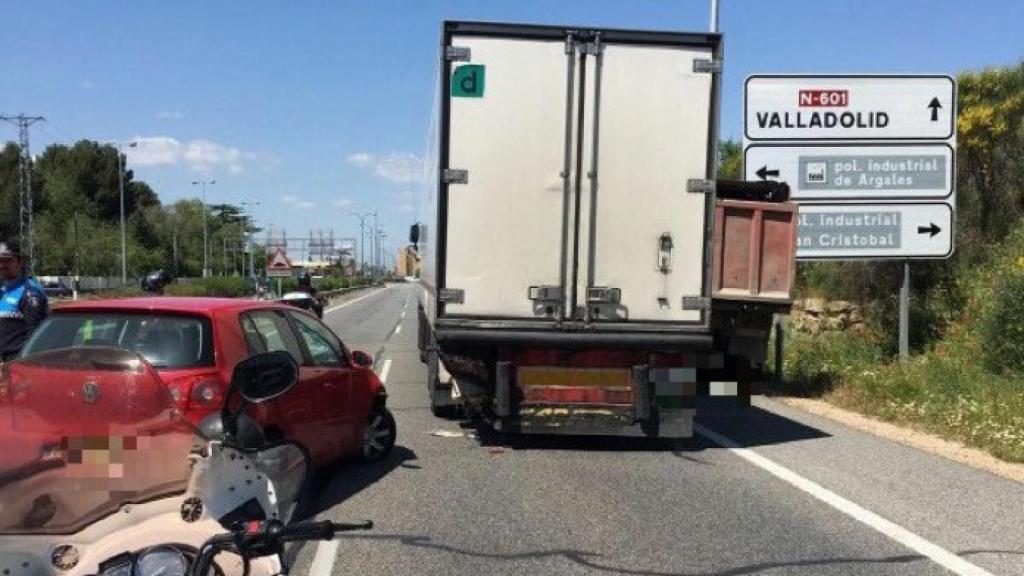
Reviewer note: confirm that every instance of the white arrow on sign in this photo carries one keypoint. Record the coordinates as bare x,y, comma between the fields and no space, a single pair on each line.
874,231
855,107
843,171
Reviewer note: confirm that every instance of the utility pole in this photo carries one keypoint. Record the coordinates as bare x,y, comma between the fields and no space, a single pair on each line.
362,239
124,233
25,227
206,249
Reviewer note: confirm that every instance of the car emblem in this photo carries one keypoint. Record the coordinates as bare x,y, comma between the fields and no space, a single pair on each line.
64,557
191,509
90,391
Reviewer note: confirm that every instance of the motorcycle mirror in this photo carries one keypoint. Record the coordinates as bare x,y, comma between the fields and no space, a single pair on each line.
265,376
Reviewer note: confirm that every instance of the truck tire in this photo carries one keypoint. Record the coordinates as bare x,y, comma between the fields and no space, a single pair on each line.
441,404
423,336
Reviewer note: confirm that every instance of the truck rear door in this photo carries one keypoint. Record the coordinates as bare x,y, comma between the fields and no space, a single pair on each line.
567,157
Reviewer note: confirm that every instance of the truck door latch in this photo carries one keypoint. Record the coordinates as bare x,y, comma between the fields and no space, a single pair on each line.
546,293
603,294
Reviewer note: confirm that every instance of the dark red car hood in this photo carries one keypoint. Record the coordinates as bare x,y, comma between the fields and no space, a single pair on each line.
84,431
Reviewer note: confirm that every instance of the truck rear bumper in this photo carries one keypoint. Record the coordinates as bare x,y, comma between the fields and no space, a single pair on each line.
573,339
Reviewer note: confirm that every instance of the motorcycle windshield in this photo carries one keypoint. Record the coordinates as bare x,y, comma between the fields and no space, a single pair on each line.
83,432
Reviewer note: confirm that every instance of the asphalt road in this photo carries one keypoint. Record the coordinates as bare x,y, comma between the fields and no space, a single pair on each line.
767,490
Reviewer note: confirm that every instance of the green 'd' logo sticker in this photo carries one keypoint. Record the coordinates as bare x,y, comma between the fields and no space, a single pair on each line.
468,81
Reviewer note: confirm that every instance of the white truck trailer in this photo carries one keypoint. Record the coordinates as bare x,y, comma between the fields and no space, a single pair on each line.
568,251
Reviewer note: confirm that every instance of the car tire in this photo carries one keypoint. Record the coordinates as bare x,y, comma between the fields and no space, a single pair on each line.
378,435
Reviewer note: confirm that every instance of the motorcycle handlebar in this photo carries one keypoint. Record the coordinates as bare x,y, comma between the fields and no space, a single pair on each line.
267,536
324,530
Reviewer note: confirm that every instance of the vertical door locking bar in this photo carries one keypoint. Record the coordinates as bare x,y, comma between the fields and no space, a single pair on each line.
570,51
598,50
578,182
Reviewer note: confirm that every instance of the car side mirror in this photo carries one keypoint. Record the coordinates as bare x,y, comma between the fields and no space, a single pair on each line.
362,359
265,376
414,234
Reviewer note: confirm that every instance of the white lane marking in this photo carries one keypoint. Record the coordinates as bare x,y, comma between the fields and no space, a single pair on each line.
340,306
323,562
935,553
327,551
398,329
402,315
384,369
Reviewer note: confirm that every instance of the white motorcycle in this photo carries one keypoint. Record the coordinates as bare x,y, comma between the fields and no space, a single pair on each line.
103,476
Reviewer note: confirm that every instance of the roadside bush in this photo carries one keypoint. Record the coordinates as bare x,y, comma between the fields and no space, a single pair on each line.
1002,321
217,286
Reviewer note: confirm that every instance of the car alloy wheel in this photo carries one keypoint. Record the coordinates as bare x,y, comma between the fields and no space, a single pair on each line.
379,435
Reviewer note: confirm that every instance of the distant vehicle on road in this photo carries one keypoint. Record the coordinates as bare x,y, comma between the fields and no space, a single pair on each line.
54,287
304,301
337,409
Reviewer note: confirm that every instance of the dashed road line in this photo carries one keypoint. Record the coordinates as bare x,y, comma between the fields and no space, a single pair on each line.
934,552
327,551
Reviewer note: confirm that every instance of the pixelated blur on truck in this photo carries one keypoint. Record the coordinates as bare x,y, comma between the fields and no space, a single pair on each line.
581,272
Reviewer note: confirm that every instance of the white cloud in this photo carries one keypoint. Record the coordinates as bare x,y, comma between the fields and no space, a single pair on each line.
88,84
200,155
399,167
342,203
170,115
295,201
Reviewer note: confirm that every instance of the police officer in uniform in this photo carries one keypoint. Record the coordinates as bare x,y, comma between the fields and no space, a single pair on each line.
23,303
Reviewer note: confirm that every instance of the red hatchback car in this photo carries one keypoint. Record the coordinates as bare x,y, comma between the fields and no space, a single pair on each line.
337,408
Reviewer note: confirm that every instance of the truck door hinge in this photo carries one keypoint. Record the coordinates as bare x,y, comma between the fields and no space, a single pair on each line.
696,303
456,53
592,48
455,176
452,295
698,186
702,66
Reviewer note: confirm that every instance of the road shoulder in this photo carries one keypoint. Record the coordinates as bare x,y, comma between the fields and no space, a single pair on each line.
932,444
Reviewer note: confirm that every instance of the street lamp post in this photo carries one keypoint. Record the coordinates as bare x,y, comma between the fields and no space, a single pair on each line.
124,229
206,251
362,239
248,241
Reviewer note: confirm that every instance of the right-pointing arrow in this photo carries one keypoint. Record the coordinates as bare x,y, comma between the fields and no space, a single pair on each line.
931,230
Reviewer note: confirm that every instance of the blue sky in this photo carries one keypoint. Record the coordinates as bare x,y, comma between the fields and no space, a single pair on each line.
317,109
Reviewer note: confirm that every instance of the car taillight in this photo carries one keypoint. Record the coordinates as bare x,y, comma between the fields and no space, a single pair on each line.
197,392
206,393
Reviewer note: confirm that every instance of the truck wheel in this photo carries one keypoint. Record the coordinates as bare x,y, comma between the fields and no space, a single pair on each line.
441,404
423,336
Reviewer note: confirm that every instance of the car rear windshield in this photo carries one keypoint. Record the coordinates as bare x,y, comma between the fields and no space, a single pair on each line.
166,341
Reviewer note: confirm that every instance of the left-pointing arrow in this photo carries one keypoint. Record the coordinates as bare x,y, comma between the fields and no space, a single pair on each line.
763,173
931,230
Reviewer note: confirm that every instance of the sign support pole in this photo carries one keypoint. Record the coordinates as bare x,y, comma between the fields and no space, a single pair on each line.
905,313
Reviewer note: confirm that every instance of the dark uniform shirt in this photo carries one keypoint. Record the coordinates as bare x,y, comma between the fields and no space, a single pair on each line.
23,305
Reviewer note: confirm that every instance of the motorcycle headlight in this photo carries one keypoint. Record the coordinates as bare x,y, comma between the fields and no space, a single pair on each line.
162,561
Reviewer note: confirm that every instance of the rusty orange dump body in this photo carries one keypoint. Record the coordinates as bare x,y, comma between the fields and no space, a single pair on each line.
755,249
